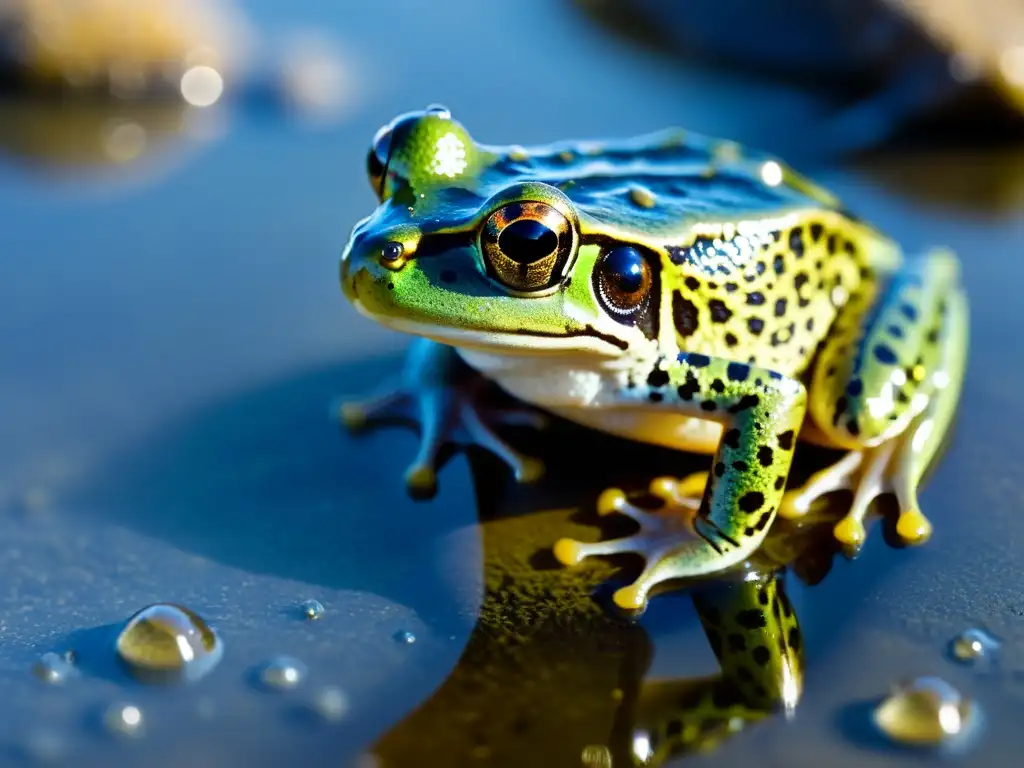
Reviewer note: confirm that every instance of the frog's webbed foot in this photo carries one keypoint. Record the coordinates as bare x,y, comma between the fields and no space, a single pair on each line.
891,410
446,401
663,532
868,474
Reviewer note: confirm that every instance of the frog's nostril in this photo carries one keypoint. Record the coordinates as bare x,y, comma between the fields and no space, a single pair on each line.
527,240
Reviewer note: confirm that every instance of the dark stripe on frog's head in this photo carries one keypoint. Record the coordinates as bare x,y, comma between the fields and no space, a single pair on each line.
586,331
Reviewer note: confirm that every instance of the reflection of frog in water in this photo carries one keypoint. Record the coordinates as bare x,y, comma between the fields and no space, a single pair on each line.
549,672
672,289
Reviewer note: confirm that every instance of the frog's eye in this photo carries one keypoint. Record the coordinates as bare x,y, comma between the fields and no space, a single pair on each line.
622,281
377,159
527,245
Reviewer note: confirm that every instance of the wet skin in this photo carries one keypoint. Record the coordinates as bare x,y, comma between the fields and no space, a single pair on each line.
672,289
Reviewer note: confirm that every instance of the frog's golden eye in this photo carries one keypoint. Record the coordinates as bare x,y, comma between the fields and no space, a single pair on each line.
622,281
526,245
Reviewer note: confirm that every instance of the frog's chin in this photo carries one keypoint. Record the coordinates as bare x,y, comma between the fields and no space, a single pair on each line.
586,341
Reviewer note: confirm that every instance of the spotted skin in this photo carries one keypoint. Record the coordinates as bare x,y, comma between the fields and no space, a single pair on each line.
768,296
877,370
761,412
673,289
755,635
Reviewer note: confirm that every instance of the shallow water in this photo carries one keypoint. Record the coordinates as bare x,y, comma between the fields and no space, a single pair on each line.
173,336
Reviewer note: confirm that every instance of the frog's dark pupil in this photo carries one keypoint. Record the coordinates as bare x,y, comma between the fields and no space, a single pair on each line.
527,241
624,269
391,251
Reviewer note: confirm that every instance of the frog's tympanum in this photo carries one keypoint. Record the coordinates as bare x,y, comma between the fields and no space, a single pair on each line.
671,289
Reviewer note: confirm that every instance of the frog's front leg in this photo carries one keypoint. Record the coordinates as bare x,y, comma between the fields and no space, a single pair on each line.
885,387
761,412
440,393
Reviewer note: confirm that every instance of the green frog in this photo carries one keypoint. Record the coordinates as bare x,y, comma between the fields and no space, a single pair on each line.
670,288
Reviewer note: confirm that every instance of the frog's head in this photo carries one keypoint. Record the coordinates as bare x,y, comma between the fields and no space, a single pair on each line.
470,249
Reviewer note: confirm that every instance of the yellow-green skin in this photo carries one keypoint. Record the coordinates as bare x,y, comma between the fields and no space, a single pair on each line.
772,316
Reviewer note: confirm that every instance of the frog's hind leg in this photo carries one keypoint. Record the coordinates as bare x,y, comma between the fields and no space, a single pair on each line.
440,394
892,400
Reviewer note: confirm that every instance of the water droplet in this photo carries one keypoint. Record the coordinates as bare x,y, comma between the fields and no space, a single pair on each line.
596,756
973,645
330,703
124,719
927,711
405,636
54,668
282,673
164,642
313,609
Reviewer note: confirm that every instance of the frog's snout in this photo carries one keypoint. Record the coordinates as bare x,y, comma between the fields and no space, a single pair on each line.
348,284
347,277
354,269
366,282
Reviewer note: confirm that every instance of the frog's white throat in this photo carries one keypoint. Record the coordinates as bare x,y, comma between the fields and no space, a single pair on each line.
589,391
581,378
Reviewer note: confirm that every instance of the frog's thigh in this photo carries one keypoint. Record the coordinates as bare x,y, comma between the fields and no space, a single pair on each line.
885,388
877,369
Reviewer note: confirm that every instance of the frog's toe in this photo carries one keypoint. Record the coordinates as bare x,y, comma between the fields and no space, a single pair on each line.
569,551
684,493
913,527
662,537
392,403
631,598
352,416
525,468
613,501
530,470
446,414
873,473
840,476
572,552
421,481
849,532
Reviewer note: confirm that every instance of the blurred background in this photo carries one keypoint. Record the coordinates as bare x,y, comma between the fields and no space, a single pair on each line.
177,180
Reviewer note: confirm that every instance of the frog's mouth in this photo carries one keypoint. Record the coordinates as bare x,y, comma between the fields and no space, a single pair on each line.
587,340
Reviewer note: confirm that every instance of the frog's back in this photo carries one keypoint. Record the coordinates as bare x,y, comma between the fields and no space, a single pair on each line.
756,260
662,183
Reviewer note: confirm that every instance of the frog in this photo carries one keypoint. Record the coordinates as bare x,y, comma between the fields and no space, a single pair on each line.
669,288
